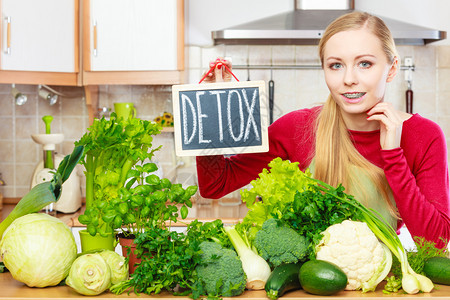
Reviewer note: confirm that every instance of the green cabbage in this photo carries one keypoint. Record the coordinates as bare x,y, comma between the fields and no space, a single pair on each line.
117,264
38,250
89,275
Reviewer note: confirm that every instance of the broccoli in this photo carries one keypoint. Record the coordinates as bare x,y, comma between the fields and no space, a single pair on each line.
219,271
279,244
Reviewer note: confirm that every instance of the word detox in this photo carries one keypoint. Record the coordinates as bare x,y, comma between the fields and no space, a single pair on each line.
220,118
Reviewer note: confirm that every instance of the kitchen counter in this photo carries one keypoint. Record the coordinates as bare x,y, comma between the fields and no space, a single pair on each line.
13,289
230,211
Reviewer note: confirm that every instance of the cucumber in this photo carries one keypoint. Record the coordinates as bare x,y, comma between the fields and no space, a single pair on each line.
283,278
438,269
319,277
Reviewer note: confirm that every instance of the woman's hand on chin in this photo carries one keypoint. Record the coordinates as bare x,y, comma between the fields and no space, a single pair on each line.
391,124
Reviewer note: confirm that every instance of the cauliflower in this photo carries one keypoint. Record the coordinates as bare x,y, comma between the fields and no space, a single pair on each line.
279,244
356,250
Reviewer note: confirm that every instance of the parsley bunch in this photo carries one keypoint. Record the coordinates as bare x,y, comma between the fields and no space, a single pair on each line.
313,211
169,259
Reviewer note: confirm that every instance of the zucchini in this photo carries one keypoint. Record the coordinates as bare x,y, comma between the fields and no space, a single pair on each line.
283,278
438,269
319,277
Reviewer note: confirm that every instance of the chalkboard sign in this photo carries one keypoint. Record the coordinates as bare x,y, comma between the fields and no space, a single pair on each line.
220,118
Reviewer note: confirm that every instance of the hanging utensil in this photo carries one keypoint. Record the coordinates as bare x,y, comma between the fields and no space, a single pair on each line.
408,77
271,94
409,99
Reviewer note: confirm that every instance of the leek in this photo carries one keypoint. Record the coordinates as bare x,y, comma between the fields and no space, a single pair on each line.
44,193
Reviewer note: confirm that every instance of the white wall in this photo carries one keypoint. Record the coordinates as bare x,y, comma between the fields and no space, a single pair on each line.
427,13
204,16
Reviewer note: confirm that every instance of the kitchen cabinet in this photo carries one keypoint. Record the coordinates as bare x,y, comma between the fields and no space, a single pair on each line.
40,42
133,42
92,42
136,35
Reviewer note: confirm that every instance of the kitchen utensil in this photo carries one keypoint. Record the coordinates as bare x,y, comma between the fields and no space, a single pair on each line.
70,200
271,94
409,99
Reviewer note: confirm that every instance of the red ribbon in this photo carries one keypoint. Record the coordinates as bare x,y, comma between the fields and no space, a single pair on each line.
213,67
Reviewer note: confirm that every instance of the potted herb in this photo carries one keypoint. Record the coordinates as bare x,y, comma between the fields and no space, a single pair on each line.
147,203
112,148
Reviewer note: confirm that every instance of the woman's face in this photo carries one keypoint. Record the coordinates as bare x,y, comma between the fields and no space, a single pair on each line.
356,70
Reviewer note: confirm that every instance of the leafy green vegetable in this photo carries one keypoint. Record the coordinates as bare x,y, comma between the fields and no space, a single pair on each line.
112,148
277,187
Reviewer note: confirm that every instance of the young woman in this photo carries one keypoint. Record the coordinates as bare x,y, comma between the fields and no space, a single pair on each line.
389,160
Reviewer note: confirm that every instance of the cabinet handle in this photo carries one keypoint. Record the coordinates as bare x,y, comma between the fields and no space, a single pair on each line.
8,35
95,38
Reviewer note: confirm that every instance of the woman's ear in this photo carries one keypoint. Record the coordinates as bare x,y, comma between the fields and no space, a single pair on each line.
393,70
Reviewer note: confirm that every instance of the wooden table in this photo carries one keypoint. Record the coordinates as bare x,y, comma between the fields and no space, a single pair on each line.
13,289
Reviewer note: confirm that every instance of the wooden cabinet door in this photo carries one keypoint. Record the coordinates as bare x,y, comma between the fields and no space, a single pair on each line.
133,35
39,35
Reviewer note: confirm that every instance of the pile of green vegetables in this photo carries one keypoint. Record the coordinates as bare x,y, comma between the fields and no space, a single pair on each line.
275,247
276,244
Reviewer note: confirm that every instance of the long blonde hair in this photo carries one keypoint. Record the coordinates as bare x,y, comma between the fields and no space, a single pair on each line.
335,153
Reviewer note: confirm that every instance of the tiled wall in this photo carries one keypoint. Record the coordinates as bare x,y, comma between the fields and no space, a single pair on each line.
294,88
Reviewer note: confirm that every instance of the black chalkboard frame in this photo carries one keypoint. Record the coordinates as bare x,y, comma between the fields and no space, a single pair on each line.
262,117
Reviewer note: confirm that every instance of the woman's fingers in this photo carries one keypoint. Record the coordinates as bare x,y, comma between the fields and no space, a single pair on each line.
217,71
391,124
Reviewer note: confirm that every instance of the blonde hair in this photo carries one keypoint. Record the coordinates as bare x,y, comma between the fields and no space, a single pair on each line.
335,153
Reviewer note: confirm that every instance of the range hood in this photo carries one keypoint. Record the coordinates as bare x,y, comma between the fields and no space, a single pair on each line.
305,27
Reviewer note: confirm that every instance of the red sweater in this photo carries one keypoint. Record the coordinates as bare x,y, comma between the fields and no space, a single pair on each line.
417,172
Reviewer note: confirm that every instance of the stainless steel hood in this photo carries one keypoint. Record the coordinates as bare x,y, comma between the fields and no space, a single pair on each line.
305,27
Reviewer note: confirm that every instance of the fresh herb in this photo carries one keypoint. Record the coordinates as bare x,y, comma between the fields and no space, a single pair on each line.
169,259
112,148
147,201
313,211
416,257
